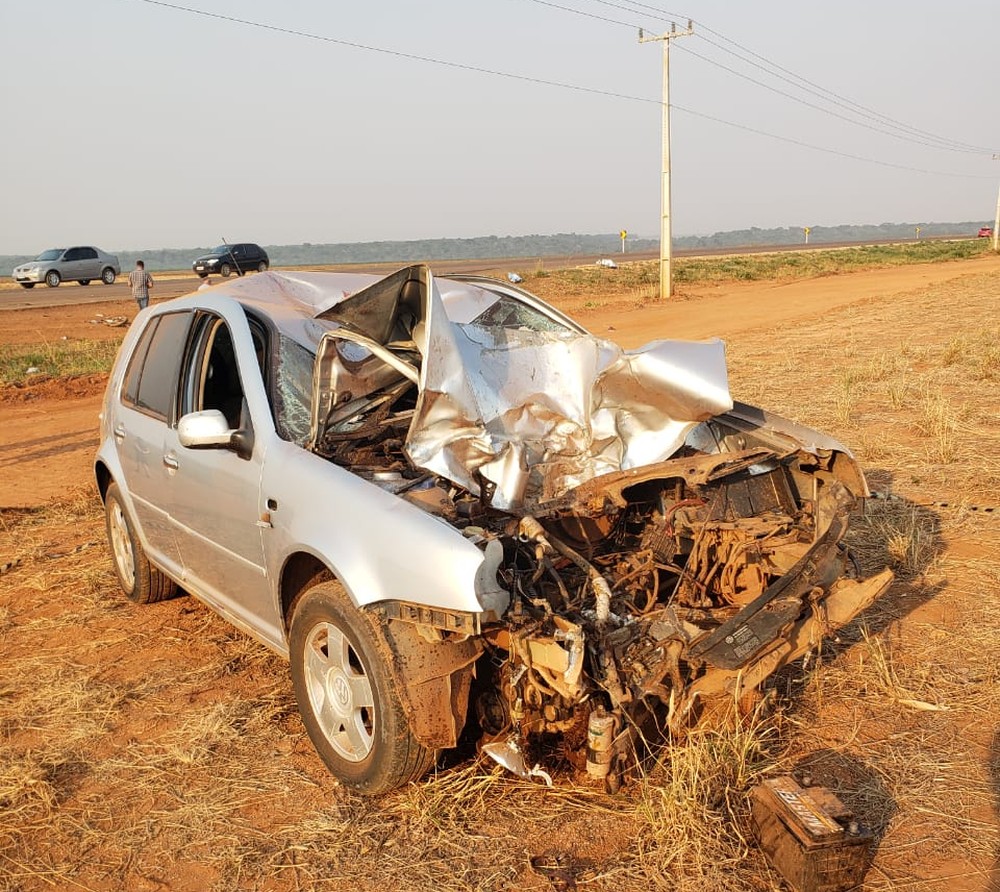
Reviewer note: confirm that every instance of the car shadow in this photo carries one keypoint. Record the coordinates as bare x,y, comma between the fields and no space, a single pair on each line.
858,785
889,530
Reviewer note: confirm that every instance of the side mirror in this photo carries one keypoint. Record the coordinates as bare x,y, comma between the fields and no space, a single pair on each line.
205,430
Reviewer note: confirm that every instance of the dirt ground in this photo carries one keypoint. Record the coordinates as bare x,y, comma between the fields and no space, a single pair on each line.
901,364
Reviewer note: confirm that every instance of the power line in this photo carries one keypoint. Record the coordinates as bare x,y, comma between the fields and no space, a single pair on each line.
854,108
813,105
580,12
815,89
413,57
525,79
827,150
837,99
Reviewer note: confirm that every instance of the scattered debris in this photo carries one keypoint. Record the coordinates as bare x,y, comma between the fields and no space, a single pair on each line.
607,263
922,705
32,370
7,566
61,553
113,321
514,278
559,870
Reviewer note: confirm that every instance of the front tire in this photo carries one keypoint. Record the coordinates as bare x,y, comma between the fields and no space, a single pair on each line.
225,270
347,697
141,582
108,276
52,278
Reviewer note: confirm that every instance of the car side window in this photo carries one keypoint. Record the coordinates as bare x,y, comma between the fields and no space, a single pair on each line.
160,366
88,254
130,389
72,254
212,380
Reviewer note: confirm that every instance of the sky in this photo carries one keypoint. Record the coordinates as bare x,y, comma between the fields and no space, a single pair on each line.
133,124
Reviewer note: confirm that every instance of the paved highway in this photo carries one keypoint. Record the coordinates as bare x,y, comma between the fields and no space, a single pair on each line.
176,284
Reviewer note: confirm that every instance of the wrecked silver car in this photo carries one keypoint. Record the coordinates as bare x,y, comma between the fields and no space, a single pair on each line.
457,513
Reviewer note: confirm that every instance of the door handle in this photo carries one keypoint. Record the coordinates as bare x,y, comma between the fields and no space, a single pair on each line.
119,432
170,461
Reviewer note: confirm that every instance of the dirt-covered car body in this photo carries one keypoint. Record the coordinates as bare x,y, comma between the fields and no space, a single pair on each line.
450,506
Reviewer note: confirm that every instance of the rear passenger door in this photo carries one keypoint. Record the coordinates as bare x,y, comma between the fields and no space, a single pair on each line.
90,264
141,423
72,265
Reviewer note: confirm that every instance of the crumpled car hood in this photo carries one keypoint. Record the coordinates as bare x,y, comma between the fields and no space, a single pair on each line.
520,417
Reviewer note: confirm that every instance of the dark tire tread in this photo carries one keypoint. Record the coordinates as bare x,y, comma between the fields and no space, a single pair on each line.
391,765
151,585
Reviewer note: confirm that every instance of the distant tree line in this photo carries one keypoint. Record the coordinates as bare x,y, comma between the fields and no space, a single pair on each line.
819,235
486,247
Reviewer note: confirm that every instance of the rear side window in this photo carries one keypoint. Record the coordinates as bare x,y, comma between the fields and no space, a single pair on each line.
151,385
130,391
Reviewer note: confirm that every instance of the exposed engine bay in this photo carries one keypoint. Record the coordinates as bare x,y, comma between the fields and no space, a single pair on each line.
629,585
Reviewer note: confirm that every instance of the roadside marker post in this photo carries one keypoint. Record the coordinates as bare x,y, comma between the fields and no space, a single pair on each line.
996,220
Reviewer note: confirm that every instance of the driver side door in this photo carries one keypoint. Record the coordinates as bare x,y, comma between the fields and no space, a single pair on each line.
215,497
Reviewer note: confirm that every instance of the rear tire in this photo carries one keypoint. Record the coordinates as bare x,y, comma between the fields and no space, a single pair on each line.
108,276
347,696
262,267
140,581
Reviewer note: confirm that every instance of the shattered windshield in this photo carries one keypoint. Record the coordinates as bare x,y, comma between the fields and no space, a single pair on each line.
508,312
293,390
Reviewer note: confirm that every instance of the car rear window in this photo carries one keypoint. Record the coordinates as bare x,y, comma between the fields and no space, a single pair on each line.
149,386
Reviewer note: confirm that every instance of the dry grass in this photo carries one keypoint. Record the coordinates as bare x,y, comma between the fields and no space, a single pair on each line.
22,363
152,748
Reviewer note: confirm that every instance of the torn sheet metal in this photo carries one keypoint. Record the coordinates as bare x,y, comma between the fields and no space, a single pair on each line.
528,415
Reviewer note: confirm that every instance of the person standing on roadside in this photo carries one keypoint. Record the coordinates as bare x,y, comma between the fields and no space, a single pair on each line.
140,282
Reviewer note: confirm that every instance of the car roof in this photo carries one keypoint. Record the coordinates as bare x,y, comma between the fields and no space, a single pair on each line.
292,300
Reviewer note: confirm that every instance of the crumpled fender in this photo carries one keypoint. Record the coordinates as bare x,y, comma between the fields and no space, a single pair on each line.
433,679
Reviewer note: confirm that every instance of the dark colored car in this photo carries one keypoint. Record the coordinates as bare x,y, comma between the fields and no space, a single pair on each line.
243,257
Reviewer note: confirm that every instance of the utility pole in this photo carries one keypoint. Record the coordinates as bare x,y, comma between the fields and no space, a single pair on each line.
666,250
